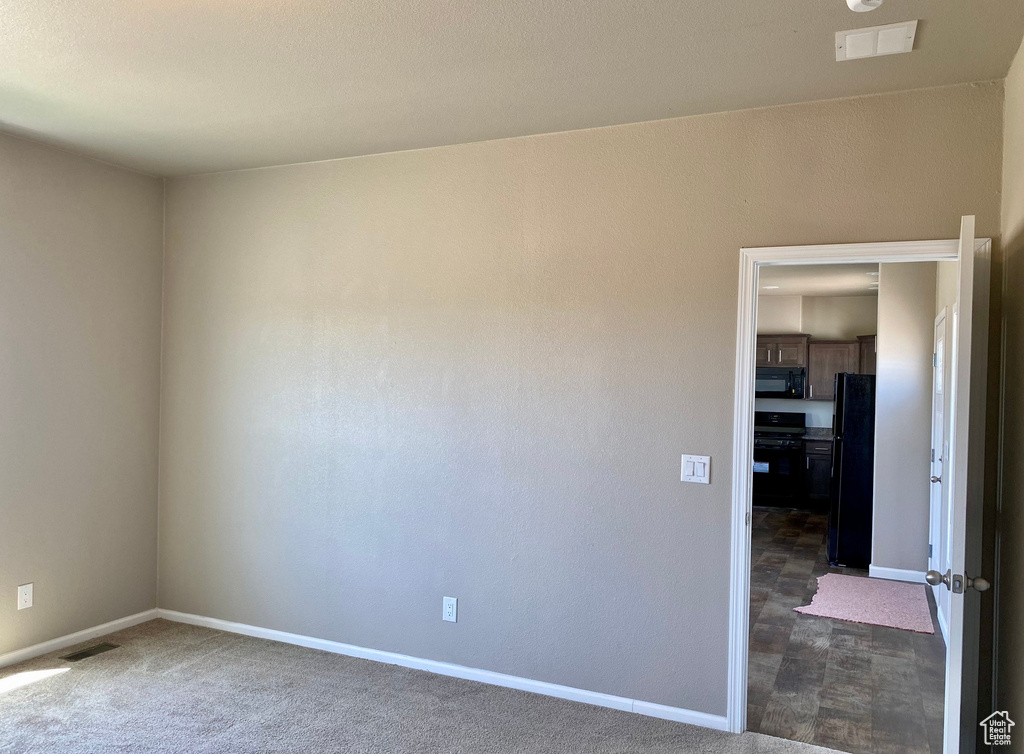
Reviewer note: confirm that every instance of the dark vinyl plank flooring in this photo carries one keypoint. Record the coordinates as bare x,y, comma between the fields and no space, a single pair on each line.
852,687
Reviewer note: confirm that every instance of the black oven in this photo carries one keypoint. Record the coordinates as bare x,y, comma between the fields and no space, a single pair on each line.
779,459
780,382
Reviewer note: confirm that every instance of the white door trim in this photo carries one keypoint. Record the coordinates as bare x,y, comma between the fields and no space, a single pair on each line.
743,422
935,524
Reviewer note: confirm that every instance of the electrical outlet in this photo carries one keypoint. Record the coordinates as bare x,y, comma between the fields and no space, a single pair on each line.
24,596
450,609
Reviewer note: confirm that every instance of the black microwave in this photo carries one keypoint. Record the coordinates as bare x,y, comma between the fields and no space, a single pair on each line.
780,382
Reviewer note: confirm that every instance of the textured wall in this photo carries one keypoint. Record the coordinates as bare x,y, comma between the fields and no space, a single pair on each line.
1011,535
80,269
471,371
839,317
903,411
825,317
778,314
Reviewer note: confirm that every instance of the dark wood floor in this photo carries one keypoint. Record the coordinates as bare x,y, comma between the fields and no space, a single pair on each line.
848,686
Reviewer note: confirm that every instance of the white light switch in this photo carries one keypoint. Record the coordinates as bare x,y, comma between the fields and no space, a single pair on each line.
696,469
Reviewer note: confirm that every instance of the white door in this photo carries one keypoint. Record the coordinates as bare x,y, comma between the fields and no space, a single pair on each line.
938,559
965,468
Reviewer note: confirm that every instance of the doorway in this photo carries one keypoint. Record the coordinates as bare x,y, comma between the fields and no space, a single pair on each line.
971,259
868,677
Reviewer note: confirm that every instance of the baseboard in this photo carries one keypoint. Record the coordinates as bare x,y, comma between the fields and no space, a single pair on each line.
678,714
36,650
896,574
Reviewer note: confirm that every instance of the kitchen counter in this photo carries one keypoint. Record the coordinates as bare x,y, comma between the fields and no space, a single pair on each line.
818,433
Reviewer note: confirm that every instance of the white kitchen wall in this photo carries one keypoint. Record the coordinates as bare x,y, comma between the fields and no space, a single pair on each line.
817,413
779,314
839,317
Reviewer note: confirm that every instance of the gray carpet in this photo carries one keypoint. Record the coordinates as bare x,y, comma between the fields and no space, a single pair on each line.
177,688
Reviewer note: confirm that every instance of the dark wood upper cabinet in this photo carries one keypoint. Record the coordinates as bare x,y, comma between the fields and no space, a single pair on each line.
781,351
793,352
868,353
826,358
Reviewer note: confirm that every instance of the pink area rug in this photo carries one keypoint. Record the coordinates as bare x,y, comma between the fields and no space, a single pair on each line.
896,604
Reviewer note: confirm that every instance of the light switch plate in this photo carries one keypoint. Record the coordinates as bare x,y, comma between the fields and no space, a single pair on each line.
696,469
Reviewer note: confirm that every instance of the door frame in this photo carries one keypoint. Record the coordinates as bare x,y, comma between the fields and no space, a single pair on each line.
751,259
938,527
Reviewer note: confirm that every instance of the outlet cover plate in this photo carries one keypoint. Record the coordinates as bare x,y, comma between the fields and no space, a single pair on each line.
450,609
24,596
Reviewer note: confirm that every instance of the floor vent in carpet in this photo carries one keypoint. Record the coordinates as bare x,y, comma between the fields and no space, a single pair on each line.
90,652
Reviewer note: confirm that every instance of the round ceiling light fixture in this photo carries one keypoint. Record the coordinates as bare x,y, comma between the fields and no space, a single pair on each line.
863,5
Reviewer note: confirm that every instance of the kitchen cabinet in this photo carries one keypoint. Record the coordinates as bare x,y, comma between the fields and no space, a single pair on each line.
826,358
817,472
781,350
868,351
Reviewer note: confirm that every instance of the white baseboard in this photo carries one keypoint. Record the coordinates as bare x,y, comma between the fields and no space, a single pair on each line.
678,714
20,655
896,574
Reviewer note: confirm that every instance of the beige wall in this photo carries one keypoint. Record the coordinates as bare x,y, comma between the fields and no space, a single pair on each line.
1011,526
903,408
826,317
779,314
80,271
946,278
471,371
839,317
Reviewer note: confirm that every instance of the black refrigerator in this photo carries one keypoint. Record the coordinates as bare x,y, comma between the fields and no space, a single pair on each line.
853,471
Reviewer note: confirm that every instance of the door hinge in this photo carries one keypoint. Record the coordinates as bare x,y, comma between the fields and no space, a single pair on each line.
935,360
933,455
748,518
929,550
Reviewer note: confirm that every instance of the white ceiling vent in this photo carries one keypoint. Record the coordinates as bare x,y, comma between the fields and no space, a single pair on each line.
873,41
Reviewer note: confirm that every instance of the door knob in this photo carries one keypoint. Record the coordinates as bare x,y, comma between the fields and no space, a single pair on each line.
979,583
935,578
936,479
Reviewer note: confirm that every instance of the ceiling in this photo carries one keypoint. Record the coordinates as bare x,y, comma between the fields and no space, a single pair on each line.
819,280
185,86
